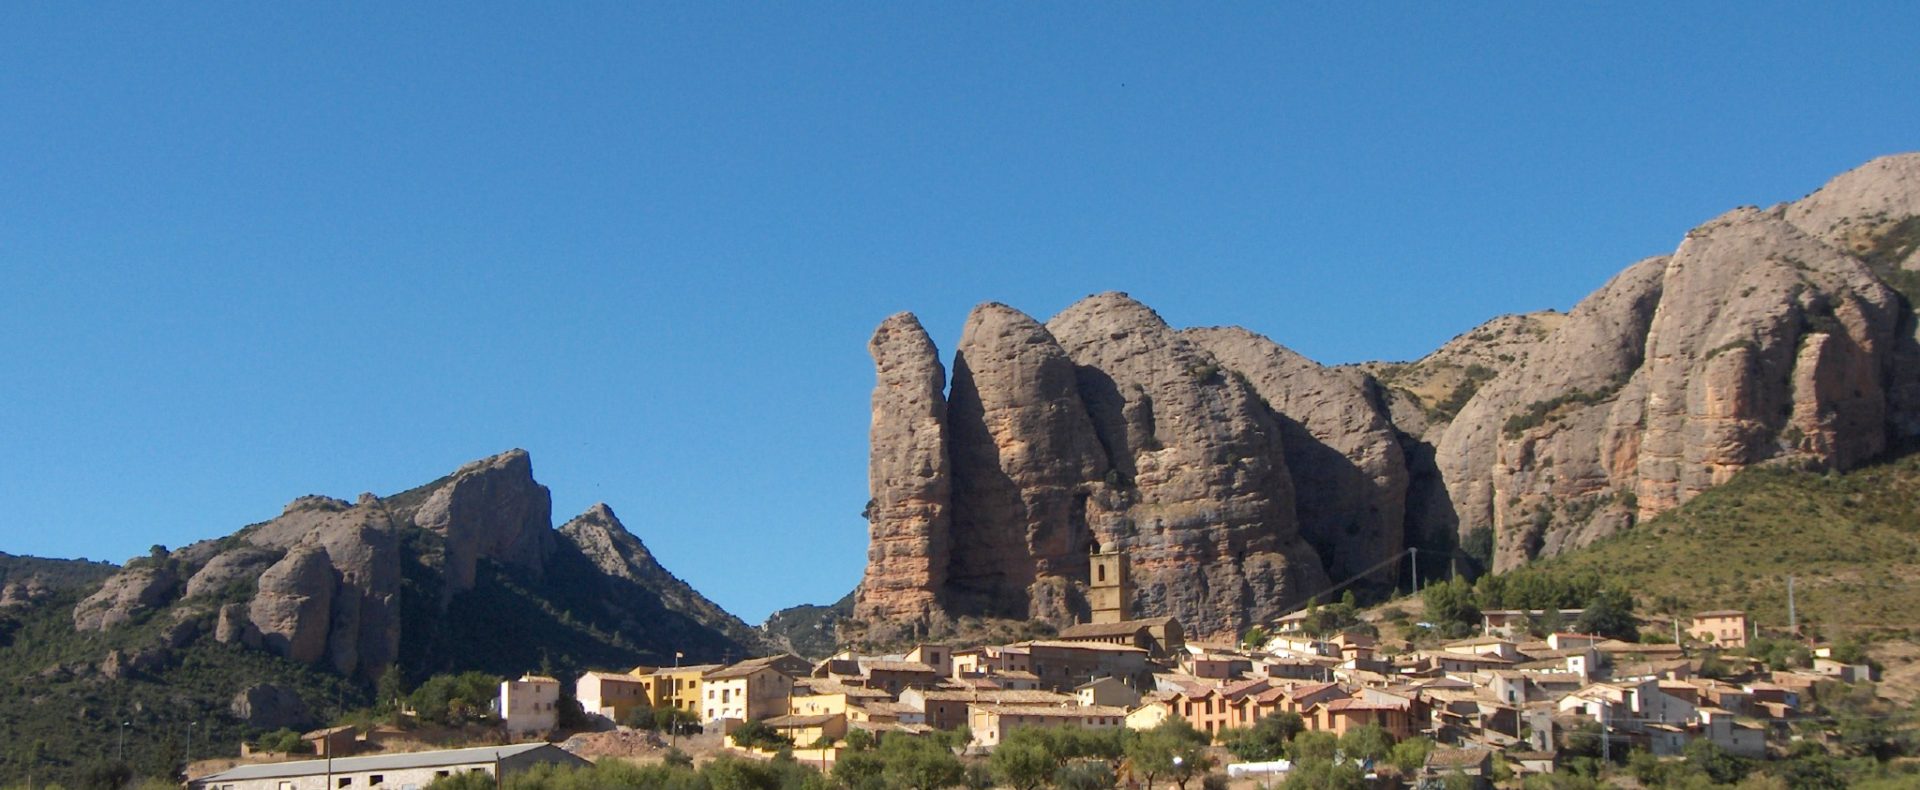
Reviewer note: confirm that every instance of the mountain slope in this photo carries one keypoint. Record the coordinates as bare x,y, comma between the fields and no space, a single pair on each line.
1851,541
307,608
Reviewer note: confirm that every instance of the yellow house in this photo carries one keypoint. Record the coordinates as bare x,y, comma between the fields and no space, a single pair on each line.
827,697
675,687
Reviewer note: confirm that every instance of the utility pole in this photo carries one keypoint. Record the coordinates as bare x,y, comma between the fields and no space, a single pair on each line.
1416,569
1793,617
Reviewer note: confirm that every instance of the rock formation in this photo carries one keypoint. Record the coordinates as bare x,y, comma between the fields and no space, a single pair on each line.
1240,477
639,594
908,472
1104,429
1026,465
1349,471
1768,336
294,605
323,582
491,509
139,588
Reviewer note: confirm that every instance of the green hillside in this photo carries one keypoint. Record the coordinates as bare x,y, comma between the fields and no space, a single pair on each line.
1851,541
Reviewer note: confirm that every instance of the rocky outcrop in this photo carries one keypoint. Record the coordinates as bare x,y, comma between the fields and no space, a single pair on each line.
1349,473
1027,466
1767,342
1207,518
1425,394
1234,472
909,523
492,509
293,607
235,625
241,566
1499,469
1769,336
269,706
323,582
1104,429
22,594
139,588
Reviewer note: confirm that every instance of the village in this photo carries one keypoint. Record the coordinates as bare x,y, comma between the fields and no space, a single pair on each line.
1504,703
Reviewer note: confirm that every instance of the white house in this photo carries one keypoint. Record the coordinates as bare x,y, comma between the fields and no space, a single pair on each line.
529,706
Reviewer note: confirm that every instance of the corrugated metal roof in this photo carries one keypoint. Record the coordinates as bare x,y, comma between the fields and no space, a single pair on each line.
376,762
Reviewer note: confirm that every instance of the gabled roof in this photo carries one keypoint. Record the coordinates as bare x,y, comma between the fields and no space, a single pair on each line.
1061,711
880,665
801,721
1099,630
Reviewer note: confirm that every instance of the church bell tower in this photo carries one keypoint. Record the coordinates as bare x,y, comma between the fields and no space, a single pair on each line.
1108,588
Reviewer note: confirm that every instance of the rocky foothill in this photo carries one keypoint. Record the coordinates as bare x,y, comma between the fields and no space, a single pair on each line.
1240,478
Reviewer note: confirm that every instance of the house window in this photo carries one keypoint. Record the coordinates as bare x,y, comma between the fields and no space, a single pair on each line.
344,781
376,779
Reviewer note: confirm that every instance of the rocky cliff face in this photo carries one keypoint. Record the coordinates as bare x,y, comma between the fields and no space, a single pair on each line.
1349,471
1767,337
1103,429
324,582
1239,476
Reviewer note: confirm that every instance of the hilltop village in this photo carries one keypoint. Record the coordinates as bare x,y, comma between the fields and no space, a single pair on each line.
1503,703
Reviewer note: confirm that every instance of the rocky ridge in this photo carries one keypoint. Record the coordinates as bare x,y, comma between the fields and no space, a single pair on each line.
326,582
1240,477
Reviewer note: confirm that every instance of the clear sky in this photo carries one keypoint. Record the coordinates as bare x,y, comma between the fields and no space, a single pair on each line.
251,251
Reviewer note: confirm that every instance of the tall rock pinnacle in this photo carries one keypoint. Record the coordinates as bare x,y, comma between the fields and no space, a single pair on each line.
908,475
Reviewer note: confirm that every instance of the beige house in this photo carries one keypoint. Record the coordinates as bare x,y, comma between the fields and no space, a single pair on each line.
749,690
989,722
946,709
1107,691
406,771
529,706
611,694
1723,628
825,697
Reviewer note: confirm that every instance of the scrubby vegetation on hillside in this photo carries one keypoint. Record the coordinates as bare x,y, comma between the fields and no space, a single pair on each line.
1850,540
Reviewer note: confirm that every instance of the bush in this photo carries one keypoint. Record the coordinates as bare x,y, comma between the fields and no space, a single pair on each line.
757,735
1265,740
284,741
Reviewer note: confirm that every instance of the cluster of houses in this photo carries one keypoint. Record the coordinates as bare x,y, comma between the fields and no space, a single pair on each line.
1497,691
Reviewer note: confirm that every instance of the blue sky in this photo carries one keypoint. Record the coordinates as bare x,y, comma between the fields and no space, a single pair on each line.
249,253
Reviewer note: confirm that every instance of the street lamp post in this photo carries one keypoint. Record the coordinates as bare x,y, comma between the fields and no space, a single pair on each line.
189,763
120,751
